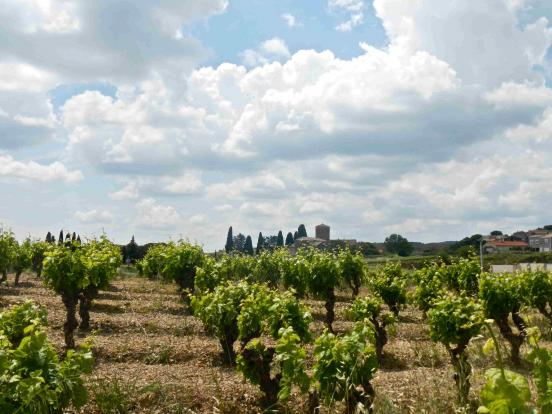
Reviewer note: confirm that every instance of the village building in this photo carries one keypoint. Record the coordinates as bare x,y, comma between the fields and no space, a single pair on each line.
496,246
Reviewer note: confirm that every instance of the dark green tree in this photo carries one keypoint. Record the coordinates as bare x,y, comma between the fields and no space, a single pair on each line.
239,243
496,233
295,235
229,241
60,238
289,239
73,237
260,243
131,251
280,241
302,231
398,244
248,248
49,238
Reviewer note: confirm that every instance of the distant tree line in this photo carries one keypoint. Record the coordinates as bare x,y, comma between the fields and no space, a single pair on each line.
244,244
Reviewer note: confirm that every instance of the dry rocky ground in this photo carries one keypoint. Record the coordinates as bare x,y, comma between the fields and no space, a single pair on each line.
153,358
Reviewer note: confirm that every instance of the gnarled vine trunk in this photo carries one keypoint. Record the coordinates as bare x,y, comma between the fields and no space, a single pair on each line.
70,301
227,344
85,302
329,305
362,394
17,276
269,386
381,338
515,340
462,369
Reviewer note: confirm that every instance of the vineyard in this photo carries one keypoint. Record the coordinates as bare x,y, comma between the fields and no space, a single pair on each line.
183,332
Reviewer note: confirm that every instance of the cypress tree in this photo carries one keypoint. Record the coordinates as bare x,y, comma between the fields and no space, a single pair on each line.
74,237
60,238
229,241
248,246
68,239
295,236
289,239
49,238
78,239
302,231
260,243
53,239
280,240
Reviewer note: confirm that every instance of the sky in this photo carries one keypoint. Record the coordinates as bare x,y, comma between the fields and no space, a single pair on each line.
177,118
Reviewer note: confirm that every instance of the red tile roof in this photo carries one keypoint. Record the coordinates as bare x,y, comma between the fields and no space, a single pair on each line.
507,244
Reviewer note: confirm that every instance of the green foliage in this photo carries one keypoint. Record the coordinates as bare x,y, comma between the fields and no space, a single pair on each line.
499,294
301,231
15,320
180,261
153,263
541,358
535,288
429,285
38,251
32,379
267,312
345,365
266,268
505,392
325,275
219,311
290,361
455,319
22,256
65,270
398,244
102,260
8,246
389,283
294,271
353,269
462,275
365,308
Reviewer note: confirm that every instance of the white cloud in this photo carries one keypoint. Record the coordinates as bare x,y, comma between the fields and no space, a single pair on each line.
276,47
269,50
94,216
355,10
31,170
150,214
128,192
291,20
15,76
495,49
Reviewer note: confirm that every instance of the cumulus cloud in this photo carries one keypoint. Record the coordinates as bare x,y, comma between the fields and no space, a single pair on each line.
150,214
269,50
442,131
94,216
31,170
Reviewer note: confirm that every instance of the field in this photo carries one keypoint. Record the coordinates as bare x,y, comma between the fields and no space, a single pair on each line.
153,358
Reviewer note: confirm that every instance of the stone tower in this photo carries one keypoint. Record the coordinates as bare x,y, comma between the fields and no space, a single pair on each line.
322,232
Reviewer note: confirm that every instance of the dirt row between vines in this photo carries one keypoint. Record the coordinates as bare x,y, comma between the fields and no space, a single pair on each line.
153,358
